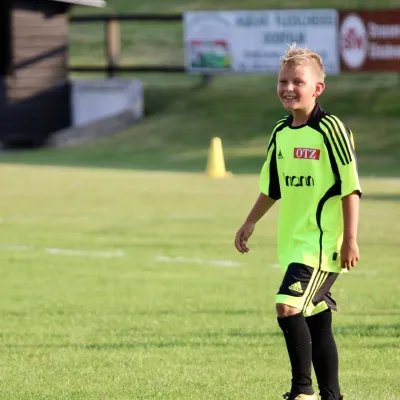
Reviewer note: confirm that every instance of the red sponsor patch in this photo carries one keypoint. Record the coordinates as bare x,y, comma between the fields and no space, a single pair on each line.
308,154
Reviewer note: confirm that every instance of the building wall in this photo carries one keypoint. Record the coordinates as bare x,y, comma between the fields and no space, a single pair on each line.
5,48
5,37
37,88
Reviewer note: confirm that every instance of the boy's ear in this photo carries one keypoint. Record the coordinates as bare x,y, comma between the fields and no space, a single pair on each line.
319,88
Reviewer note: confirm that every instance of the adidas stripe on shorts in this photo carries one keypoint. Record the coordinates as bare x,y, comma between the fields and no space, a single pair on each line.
307,289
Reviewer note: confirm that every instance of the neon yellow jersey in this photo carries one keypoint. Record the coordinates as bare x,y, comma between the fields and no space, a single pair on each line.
310,168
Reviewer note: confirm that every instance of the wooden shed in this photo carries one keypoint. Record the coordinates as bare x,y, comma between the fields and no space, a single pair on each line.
34,85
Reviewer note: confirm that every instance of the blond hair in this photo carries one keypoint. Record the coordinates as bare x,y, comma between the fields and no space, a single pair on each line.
296,56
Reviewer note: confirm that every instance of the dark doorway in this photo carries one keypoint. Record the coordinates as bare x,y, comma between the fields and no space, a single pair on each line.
5,37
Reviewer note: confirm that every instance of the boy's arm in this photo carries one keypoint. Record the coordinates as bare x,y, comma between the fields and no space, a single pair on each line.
261,206
270,192
350,254
341,143
350,205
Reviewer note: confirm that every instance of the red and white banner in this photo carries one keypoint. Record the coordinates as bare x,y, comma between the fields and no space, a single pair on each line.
370,40
255,40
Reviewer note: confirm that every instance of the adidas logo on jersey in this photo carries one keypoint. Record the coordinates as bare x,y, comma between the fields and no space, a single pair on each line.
280,156
296,287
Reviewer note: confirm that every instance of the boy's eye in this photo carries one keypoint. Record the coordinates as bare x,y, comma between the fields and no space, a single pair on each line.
298,82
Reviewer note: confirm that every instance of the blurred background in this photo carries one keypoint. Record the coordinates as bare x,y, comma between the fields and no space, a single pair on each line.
59,58
132,135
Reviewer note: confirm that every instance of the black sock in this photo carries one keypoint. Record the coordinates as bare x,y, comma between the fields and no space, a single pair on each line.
324,355
298,343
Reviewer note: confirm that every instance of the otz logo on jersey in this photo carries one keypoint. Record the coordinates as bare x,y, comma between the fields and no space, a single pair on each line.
308,154
292,180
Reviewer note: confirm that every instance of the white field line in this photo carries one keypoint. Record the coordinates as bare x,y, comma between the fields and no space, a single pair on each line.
55,219
15,247
364,271
67,252
40,218
86,253
19,220
196,260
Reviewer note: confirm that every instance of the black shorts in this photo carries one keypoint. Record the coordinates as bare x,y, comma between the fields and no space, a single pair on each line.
307,289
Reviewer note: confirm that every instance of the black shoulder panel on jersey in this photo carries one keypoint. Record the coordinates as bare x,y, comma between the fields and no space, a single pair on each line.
340,137
315,122
316,116
282,123
274,189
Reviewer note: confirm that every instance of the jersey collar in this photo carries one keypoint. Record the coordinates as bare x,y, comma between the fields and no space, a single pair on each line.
314,115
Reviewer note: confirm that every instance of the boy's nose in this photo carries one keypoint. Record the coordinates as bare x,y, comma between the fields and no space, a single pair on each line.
289,87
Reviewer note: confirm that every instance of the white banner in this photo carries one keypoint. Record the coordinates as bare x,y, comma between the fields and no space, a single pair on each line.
254,41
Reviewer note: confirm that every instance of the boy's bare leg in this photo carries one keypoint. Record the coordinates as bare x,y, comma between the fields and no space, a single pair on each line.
298,343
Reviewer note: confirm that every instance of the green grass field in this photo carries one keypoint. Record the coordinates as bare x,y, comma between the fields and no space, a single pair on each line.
126,285
119,275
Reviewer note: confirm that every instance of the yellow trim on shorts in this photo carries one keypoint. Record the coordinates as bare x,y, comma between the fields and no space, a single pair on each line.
321,306
304,302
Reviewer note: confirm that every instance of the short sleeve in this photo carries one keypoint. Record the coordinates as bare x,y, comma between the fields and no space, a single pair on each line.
342,143
269,180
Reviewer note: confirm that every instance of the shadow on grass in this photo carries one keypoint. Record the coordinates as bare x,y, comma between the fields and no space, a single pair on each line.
383,346
235,338
201,312
392,330
139,345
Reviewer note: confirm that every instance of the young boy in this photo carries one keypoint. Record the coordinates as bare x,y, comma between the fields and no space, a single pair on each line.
311,166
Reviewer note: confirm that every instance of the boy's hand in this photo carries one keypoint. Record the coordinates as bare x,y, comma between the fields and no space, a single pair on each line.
242,236
349,254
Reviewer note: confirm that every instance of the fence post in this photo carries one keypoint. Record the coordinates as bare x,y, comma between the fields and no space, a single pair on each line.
206,79
113,43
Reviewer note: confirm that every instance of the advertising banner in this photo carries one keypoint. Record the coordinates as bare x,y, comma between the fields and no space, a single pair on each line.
370,40
254,41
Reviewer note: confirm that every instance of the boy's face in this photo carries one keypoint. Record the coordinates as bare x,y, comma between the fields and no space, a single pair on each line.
298,87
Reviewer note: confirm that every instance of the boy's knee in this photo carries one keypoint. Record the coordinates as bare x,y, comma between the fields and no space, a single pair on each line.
283,310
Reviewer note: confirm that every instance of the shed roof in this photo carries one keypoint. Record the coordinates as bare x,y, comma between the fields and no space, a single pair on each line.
92,3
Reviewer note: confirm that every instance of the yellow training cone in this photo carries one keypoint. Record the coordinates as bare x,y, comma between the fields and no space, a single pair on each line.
216,162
